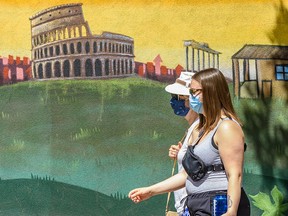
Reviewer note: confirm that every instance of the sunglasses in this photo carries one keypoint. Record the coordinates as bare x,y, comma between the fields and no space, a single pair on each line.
179,97
194,91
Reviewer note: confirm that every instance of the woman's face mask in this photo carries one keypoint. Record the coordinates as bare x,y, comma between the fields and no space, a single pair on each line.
195,104
179,106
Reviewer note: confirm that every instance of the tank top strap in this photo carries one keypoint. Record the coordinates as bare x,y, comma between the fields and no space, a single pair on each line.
215,130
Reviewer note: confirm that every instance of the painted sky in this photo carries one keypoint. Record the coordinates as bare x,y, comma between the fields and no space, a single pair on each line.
158,27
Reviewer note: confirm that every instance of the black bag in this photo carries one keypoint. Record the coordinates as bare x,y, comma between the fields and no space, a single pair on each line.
198,203
193,165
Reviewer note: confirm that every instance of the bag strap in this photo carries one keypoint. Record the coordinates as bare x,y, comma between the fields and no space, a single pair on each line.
212,167
172,173
215,167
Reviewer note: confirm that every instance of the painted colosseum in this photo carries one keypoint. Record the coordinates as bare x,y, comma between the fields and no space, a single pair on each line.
63,46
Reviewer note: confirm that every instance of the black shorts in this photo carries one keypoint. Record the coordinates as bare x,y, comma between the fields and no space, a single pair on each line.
200,204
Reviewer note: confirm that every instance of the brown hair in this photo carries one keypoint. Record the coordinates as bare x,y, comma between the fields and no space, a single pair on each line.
216,98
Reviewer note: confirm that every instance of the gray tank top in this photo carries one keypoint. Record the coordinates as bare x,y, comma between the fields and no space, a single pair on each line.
207,151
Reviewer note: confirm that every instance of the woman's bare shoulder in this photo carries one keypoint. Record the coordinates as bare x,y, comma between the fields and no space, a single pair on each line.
229,130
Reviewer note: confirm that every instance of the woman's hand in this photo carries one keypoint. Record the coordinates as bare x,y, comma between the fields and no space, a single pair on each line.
140,194
173,183
174,149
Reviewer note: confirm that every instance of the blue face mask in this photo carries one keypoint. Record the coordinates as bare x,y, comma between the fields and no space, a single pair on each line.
179,107
195,104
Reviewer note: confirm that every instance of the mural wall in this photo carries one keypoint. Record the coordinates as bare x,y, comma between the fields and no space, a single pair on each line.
84,114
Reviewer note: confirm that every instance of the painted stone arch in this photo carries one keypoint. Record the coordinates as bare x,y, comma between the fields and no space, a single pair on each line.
87,47
88,68
66,68
51,51
57,50
45,52
122,66
95,47
109,48
77,67
48,70
40,71
106,67
101,48
118,67
105,46
130,66
66,33
72,48
98,67
65,49
79,47
126,66
83,31
114,67
57,69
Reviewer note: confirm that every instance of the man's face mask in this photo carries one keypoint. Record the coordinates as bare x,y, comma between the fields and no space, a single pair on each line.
178,105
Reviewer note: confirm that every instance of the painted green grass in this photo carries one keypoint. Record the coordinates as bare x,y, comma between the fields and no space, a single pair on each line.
83,132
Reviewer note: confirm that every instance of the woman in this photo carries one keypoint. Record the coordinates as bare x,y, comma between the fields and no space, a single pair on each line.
217,141
180,105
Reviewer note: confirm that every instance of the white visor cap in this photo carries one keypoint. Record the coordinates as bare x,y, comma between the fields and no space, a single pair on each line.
181,85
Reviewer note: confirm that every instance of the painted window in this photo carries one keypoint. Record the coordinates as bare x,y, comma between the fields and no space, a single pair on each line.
281,72
79,47
87,47
57,50
72,48
65,49
95,47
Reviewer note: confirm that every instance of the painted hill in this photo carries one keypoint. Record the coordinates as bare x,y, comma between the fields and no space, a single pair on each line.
42,197
46,197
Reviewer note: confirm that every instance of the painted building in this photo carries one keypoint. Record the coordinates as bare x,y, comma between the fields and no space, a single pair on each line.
63,46
157,71
202,56
260,71
13,70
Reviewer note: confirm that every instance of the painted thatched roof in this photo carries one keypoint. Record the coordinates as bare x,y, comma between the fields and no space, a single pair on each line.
249,51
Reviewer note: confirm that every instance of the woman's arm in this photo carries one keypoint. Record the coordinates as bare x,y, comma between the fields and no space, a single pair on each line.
230,140
171,184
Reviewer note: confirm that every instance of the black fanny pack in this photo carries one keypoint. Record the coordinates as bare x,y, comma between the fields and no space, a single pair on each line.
195,167
208,203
